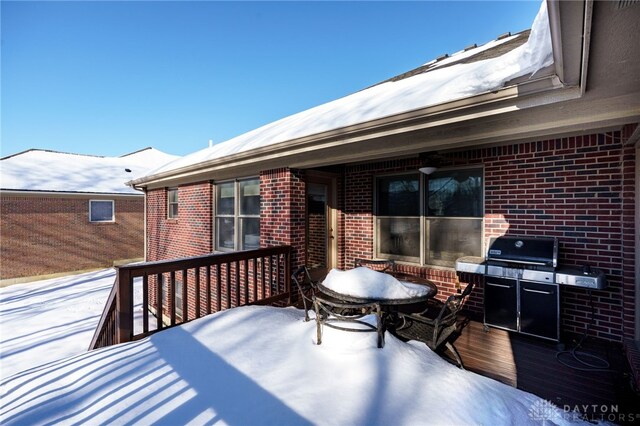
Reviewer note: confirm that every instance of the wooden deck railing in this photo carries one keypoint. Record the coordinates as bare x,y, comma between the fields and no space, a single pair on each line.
149,297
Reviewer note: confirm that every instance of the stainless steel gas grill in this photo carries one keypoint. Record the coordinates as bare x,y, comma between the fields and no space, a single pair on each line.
520,292
522,279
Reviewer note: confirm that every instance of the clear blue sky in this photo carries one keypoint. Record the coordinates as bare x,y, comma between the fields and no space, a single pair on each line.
107,78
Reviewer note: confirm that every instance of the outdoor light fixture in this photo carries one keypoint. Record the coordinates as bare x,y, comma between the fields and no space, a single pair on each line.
427,170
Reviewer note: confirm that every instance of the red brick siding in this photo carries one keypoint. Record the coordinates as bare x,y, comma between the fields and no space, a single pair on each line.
45,235
580,189
282,211
188,235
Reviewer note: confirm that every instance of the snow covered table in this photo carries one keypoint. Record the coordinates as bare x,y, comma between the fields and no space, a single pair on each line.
364,285
349,296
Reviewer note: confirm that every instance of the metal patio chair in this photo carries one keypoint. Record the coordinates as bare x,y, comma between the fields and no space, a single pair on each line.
338,314
434,325
307,288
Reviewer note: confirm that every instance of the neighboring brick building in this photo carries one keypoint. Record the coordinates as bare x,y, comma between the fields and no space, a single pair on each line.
554,155
67,212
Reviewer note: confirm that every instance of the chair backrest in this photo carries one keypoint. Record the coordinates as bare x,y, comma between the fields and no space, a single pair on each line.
302,279
306,288
377,265
456,302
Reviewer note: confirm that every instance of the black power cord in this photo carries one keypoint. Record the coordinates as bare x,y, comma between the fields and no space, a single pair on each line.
581,360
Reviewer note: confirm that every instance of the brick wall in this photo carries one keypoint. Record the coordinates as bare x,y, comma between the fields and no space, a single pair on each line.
579,189
45,234
190,234
282,211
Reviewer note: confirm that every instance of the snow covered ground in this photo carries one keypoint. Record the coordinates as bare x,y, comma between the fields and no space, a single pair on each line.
44,321
246,366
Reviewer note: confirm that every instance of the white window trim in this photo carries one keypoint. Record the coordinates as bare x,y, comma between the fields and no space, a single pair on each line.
236,213
423,215
113,211
177,203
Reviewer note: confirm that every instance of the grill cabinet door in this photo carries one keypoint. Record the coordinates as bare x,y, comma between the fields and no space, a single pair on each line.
539,314
501,303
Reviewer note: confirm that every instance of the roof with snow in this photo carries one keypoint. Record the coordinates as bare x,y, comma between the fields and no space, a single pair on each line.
52,171
470,72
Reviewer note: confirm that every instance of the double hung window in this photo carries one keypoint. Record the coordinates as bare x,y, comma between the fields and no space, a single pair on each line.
172,203
398,217
454,211
431,219
237,215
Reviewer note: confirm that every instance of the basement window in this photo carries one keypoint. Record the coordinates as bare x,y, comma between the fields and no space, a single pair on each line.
101,211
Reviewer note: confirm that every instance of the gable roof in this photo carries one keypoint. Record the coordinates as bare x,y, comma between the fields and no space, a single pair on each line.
465,74
52,171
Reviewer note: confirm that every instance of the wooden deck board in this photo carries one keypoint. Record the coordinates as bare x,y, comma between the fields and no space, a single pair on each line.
531,364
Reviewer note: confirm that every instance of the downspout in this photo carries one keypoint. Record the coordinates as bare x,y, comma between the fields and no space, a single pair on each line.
637,237
145,223
586,42
144,220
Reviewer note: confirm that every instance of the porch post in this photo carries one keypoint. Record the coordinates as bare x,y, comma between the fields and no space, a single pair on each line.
124,306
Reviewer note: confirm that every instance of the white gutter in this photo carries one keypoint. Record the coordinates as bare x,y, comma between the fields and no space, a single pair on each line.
65,193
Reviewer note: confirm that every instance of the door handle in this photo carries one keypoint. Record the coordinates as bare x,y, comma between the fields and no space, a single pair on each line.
499,285
530,290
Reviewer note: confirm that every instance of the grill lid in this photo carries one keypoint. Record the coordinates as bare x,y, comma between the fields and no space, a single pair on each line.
526,250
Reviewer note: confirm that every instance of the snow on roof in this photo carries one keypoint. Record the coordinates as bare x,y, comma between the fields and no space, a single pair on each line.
460,78
42,170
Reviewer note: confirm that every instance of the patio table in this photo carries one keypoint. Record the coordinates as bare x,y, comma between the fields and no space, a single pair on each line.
385,302
384,307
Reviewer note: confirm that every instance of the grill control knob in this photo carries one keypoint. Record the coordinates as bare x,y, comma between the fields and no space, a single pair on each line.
519,244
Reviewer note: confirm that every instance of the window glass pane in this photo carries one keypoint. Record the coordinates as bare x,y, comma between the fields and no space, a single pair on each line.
101,211
173,210
250,197
172,203
250,229
316,199
225,230
399,238
173,195
449,239
455,193
398,196
226,198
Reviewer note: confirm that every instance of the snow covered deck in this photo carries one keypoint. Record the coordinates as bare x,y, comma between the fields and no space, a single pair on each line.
219,369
